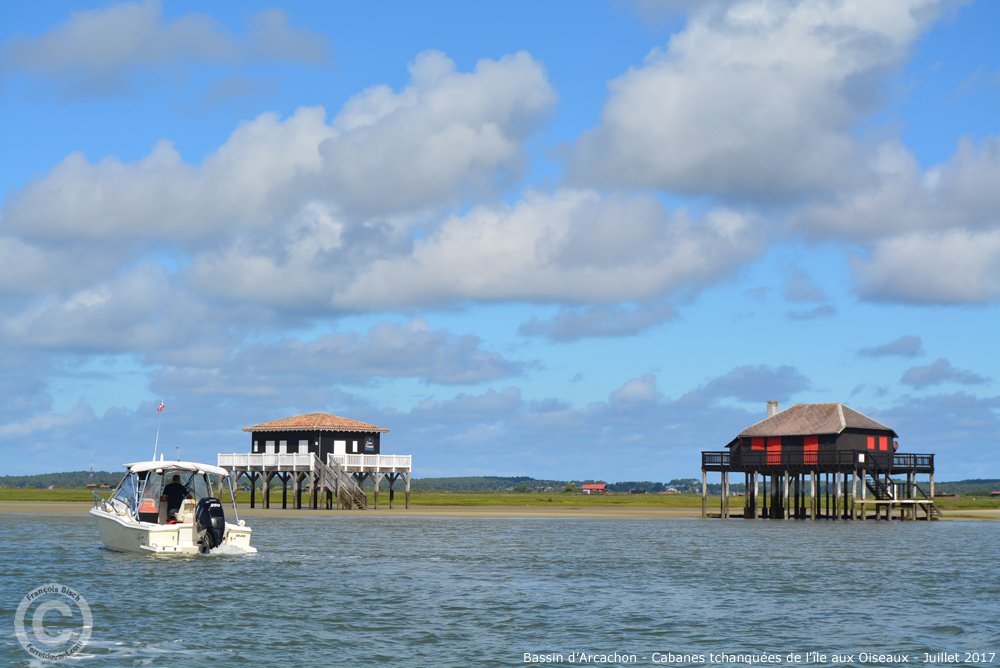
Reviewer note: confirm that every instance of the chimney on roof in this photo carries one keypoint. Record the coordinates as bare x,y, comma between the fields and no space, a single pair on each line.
772,408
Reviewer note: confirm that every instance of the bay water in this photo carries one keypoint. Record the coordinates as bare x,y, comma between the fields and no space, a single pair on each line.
357,589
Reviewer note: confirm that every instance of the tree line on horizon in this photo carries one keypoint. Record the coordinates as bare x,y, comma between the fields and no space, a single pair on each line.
977,486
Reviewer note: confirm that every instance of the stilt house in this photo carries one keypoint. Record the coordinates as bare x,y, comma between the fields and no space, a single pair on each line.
835,449
324,452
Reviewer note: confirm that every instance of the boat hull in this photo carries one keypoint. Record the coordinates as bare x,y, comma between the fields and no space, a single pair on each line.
121,533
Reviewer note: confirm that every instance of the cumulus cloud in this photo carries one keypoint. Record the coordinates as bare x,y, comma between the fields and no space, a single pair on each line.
753,99
447,133
940,371
597,321
446,129
758,383
96,51
387,350
950,267
136,311
901,197
575,246
905,346
930,236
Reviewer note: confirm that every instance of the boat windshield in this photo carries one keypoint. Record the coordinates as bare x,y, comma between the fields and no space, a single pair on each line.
154,485
126,492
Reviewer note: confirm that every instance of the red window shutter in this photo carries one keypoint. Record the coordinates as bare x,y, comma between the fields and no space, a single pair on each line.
774,451
871,442
883,443
811,450
757,444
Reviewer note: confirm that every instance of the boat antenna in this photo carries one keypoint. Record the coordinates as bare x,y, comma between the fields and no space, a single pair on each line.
159,414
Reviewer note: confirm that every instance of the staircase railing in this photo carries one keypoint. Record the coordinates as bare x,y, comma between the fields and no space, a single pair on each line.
874,482
336,479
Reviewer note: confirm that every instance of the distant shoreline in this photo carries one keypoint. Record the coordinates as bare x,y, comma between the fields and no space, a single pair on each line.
589,512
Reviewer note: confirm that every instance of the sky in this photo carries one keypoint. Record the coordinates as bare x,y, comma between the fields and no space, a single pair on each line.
563,240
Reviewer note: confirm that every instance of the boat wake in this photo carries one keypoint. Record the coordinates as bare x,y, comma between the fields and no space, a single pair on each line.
226,550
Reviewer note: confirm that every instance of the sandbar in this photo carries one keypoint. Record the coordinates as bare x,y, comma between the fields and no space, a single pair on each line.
593,512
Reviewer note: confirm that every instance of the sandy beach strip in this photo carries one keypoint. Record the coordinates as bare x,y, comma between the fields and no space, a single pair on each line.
631,512
593,512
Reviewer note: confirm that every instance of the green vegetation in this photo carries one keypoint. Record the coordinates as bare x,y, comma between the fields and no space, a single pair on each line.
485,491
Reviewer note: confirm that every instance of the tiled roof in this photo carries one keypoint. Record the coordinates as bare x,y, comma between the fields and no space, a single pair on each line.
807,419
314,421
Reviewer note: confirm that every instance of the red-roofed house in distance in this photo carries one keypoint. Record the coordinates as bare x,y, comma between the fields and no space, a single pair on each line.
595,489
336,454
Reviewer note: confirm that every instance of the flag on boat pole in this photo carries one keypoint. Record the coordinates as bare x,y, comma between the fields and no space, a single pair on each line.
159,412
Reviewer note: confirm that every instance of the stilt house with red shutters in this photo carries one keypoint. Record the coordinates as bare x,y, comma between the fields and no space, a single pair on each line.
837,451
333,454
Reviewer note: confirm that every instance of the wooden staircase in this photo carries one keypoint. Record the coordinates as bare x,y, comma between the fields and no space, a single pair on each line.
349,493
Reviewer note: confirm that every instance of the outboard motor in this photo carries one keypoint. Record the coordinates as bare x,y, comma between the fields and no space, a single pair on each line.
211,520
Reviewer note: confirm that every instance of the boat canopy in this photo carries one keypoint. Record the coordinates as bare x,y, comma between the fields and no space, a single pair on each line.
139,467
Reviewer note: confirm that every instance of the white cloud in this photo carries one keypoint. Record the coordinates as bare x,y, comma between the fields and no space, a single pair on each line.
598,321
251,181
455,132
940,371
753,99
902,198
446,133
571,246
932,268
905,346
96,51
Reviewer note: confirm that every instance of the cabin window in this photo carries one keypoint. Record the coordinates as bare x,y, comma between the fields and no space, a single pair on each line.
269,447
871,442
303,446
256,446
883,443
283,447
354,446
757,444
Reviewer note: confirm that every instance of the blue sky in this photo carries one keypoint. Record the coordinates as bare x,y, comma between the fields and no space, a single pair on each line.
545,239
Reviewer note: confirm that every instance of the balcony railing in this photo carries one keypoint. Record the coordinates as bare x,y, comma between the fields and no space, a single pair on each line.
835,459
373,462
301,461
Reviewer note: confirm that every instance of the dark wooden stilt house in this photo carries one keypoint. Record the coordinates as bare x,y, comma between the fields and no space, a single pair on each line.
833,447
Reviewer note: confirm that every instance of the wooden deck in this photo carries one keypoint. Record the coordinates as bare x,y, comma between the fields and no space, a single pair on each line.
342,476
836,497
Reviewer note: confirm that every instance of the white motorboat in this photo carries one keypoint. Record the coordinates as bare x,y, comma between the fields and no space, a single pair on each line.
135,518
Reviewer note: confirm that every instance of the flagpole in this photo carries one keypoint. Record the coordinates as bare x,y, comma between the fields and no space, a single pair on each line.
159,416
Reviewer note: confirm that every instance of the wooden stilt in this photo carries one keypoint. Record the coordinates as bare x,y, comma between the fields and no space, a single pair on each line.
407,474
813,499
704,493
786,511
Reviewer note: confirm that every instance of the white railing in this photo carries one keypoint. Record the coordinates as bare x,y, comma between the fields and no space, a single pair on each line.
306,461
374,462
302,461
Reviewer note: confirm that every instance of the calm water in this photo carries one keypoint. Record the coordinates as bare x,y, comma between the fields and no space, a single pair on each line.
364,590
